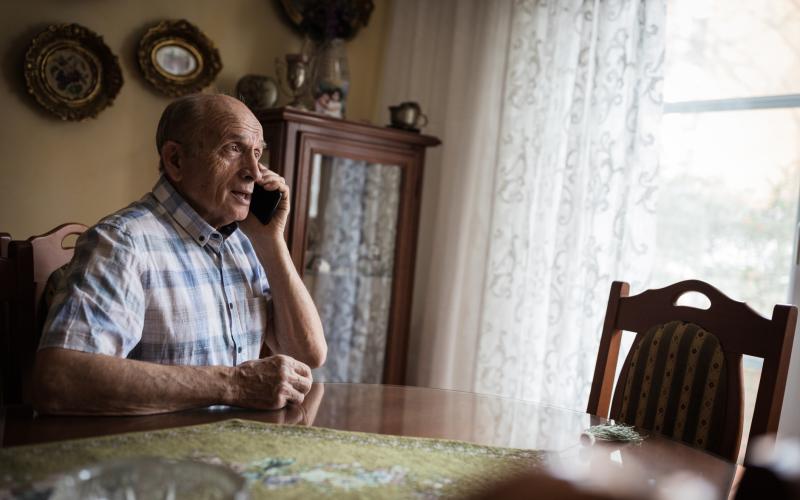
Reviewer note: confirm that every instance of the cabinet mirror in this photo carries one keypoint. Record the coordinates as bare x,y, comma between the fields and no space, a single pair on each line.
348,263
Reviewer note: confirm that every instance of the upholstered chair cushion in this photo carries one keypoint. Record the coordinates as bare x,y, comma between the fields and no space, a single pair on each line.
676,384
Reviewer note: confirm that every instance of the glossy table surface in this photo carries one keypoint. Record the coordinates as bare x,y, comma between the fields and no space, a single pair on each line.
423,412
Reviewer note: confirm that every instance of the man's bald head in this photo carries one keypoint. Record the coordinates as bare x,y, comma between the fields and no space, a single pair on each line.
185,120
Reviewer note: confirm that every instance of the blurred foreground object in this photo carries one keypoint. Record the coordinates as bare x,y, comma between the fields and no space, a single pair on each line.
151,477
602,471
772,470
541,485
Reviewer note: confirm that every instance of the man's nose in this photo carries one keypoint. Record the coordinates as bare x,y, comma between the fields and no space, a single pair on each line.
252,168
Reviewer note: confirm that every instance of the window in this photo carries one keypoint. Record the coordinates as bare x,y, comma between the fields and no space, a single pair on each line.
730,166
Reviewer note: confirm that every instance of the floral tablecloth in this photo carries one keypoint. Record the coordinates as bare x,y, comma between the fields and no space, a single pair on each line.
282,461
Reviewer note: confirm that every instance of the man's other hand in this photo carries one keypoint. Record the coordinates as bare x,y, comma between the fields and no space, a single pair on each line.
270,383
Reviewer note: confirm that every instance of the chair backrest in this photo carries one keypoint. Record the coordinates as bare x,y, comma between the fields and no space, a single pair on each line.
33,261
50,251
5,239
709,344
8,323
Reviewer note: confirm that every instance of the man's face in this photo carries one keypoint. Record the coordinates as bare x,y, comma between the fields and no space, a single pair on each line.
218,173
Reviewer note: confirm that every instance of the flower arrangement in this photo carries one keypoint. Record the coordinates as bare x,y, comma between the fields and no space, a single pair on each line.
328,19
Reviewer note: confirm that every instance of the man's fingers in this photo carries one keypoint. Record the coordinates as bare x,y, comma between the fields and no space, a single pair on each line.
302,369
292,395
299,375
274,182
270,178
296,373
302,384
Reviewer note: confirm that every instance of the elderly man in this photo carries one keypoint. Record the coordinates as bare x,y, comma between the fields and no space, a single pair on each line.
167,303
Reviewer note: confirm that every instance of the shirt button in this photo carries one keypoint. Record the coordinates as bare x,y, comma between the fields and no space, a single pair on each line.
230,305
239,350
215,236
202,238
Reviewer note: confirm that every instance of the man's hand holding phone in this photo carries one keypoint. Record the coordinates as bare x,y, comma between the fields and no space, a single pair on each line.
269,205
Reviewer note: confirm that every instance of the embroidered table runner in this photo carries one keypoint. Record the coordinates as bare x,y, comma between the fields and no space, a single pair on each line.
282,461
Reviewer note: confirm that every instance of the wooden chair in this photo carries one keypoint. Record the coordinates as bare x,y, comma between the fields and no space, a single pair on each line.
5,239
683,374
50,251
9,319
33,261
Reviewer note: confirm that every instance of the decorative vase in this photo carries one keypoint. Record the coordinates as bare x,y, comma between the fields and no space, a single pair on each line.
331,78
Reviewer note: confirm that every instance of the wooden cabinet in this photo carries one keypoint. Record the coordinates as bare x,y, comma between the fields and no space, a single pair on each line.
356,191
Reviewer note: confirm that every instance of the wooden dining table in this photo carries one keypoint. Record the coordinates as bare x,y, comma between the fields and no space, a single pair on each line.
421,412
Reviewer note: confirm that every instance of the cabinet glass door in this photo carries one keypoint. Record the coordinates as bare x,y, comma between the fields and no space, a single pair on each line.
349,259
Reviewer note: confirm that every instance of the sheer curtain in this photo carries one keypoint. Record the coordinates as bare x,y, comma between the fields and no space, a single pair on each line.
543,191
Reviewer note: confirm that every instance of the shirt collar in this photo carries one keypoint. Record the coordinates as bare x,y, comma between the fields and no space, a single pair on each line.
186,216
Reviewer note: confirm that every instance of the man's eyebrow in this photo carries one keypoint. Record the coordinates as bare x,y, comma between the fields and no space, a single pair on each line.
243,139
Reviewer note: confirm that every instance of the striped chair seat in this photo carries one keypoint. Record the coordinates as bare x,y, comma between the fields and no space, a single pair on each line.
676,384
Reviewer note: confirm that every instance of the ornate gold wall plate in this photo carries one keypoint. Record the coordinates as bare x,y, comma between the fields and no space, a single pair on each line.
177,58
71,72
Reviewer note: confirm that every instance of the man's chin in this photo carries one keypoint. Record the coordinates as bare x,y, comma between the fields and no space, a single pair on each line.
241,215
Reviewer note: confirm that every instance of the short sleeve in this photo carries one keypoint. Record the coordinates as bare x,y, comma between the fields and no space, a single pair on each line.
99,303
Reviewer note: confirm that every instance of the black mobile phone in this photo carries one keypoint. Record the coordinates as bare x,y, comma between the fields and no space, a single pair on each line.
263,203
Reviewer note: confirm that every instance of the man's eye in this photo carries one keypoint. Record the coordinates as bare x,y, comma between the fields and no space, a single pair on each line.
234,148
258,154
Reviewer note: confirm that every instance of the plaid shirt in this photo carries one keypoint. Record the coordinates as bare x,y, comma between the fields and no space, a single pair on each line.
156,282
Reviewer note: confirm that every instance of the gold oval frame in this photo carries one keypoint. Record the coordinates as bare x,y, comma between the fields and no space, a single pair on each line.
187,36
188,48
102,63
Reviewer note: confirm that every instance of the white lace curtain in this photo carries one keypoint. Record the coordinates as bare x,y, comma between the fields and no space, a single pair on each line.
349,263
543,191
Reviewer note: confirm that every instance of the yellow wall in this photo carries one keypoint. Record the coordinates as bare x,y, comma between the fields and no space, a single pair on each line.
53,172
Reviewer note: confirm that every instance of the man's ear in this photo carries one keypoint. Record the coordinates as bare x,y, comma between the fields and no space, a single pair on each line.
172,159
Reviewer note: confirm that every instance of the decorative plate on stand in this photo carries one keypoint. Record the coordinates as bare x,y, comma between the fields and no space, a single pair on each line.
71,72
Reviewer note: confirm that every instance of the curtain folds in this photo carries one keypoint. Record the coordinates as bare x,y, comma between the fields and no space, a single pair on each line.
543,192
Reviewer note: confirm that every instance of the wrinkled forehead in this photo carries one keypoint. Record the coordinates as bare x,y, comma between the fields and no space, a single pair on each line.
225,121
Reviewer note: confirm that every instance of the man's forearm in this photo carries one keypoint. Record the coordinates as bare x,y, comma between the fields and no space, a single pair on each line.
297,328
74,382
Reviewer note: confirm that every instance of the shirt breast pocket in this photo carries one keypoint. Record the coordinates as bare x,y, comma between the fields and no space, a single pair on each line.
253,318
